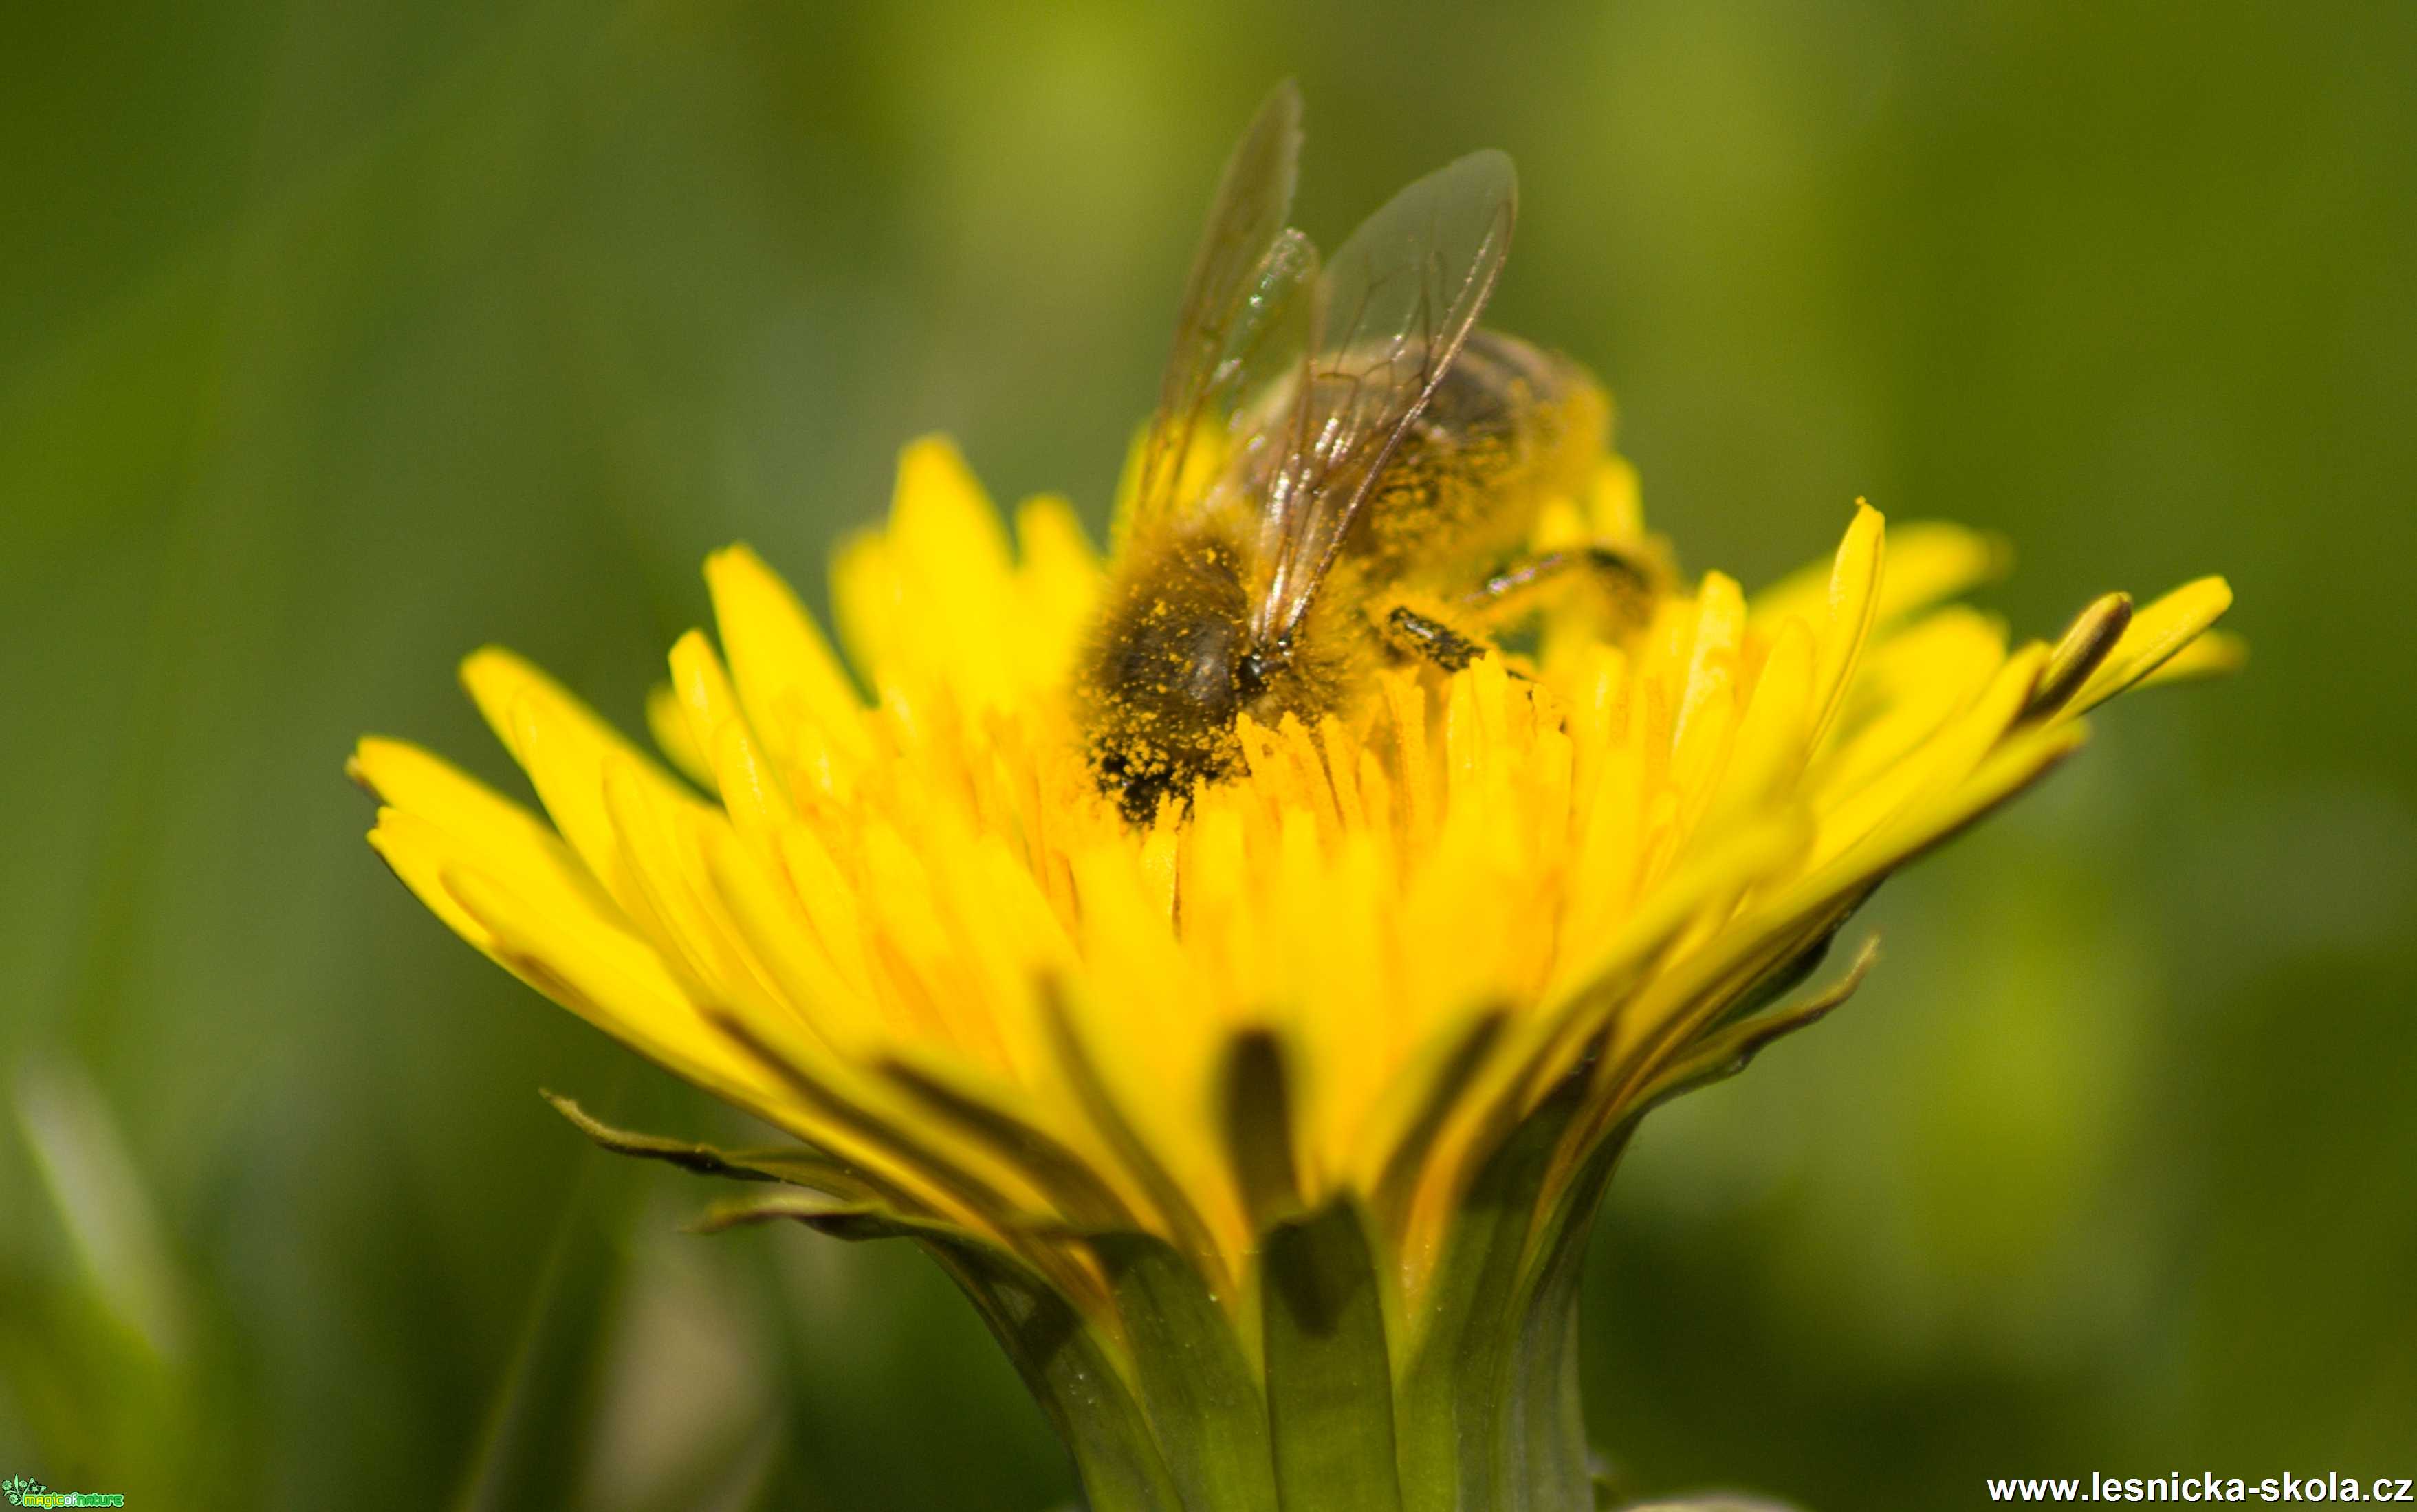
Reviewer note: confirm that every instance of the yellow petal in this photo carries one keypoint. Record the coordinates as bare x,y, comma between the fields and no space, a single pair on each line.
668,723
783,669
1929,562
510,840
1853,603
610,978
563,747
2213,654
2157,634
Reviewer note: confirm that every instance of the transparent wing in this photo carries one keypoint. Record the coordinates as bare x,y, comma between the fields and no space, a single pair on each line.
1392,308
1245,274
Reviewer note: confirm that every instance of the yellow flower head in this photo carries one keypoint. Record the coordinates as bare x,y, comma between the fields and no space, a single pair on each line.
883,906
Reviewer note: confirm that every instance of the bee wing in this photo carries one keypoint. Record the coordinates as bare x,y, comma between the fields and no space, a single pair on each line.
1392,308
1249,271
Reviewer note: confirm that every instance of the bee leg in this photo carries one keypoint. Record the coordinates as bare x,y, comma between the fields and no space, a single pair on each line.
1514,590
1431,640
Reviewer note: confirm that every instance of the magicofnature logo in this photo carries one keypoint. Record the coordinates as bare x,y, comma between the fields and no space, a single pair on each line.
22,1491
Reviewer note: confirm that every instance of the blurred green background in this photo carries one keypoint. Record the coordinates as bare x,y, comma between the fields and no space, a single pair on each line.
336,340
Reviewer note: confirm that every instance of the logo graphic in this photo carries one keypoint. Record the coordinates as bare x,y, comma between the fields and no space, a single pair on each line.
22,1491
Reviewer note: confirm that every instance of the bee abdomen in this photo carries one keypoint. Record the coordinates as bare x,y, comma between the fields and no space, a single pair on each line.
1509,426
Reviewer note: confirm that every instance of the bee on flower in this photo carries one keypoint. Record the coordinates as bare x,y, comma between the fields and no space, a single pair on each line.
1241,960
1374,469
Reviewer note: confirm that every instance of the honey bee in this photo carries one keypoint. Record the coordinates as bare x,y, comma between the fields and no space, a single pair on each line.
1340,474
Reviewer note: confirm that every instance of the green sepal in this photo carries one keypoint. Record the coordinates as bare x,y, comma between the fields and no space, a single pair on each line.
1074,1375
1729,1050
1201,1392
1462,1399
1546,1439
1329,1373
797,1167
1783,976
851,1218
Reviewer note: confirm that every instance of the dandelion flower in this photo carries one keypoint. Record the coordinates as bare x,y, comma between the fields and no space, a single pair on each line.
1264,1135
1246,1019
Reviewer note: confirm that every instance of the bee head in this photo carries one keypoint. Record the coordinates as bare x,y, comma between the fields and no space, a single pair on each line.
1170,669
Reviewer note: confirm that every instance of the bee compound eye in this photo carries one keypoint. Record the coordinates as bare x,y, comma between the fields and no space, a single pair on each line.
1251,673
